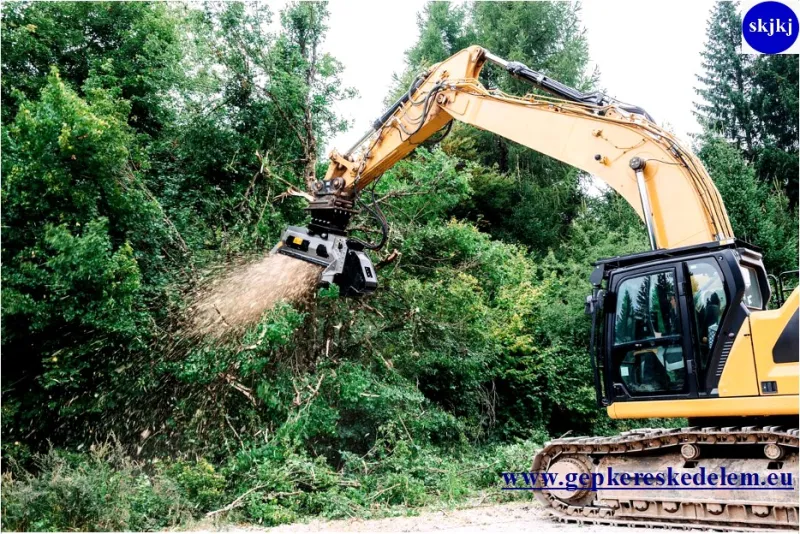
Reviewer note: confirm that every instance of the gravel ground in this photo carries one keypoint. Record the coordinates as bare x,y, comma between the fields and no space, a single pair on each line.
513,517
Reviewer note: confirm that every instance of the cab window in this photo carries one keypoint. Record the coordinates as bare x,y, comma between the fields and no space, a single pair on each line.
752,291
647,308
710,303
648,350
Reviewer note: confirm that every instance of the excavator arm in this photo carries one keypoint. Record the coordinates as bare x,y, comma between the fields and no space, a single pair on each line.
616,142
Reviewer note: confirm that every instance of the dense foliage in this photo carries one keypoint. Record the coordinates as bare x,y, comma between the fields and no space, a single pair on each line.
749,113
148,144
751,101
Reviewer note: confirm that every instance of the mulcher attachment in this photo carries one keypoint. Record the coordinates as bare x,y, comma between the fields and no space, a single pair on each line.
344,262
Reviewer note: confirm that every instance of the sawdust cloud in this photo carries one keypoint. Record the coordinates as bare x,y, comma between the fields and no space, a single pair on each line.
238,299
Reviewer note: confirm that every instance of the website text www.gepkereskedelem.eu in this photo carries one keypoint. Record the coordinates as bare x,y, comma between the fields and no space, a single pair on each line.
669,478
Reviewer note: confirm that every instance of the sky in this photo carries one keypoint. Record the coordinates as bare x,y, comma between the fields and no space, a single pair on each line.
648,54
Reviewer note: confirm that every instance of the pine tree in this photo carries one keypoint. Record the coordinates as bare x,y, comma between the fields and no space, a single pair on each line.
725,108
759,214
442,32
775,105
751,101
625,319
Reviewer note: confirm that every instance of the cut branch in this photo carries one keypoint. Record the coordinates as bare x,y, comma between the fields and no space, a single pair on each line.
395,254
238,386
240,499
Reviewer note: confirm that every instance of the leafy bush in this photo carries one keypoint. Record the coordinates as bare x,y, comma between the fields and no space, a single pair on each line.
101,490
81,255
199,482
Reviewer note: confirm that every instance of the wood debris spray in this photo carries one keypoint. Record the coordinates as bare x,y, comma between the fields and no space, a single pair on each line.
238,299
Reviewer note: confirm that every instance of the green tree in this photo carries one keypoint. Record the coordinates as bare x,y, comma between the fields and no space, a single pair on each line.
750,101
257,114
298,56
726,81
442,33
443,30
83,255
528,198
775,105
759,213
624,327
130,48
546,36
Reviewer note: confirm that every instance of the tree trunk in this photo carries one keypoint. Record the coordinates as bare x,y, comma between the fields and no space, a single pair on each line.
310,170
308,49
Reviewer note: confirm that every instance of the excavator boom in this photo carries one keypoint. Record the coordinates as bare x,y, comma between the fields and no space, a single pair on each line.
618,143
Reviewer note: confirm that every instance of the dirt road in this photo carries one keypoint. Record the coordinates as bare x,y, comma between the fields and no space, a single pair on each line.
508,518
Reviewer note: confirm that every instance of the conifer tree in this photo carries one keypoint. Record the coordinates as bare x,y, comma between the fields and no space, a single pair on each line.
724,108
751,101
775,104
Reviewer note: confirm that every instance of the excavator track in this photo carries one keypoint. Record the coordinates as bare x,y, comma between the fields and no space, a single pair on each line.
737,449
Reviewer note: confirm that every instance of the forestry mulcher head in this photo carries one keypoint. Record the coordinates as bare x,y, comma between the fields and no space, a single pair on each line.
343,259
325,242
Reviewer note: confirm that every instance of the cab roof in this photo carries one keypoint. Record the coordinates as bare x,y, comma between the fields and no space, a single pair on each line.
616,262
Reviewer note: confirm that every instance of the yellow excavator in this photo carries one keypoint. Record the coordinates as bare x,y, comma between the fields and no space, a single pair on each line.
680,331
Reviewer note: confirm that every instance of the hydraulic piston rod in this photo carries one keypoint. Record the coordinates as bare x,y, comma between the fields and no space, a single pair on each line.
638,164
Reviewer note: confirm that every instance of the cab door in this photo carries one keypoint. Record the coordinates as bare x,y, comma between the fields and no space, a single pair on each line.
648,339
709,302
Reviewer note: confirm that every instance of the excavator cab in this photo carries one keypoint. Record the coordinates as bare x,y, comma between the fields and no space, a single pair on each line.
664,321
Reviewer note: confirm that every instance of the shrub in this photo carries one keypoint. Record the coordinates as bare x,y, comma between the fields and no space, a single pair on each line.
101,490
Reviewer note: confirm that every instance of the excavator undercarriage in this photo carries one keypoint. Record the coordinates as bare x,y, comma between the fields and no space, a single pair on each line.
768,451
